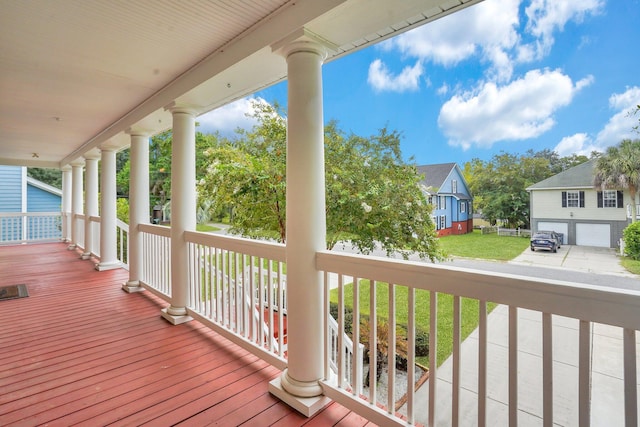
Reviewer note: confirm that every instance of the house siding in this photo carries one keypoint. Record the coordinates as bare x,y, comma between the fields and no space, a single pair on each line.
11,189
13,179
39,200
546,206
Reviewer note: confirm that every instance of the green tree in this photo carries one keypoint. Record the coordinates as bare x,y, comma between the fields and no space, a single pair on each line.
53,177
499,185
619,169
373,196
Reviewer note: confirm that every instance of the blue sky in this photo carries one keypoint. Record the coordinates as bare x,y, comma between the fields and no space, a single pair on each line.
503,75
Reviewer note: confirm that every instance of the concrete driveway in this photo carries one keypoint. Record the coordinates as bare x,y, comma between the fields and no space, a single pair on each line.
587,259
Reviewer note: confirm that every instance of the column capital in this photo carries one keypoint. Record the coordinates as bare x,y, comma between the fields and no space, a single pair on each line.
176,108
92,156
77,163
304,40
145,133
66,168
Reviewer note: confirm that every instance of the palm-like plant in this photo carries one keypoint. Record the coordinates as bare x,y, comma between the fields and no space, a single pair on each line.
619,168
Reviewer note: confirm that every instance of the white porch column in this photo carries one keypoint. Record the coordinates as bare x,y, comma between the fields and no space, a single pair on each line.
183,209
108,232
138,206
90,200
299,384
76,200
66,203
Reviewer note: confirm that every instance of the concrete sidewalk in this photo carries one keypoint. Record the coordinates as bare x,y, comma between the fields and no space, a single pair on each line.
607,392
587,259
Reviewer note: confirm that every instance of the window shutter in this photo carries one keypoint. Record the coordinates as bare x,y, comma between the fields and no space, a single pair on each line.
582,199
620,199
599,199
564,199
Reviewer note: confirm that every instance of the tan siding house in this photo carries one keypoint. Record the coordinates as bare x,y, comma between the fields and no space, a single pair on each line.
568,203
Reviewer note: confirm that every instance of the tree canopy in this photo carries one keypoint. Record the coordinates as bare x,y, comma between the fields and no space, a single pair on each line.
373,196
499,185
619,169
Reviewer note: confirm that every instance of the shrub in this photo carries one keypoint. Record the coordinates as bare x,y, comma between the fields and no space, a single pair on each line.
631,236
422,336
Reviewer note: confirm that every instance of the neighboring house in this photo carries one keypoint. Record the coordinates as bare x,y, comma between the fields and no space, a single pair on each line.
22,194
448,192
569,204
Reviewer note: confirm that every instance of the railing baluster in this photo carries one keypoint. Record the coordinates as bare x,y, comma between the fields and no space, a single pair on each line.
455,381
547,370
340,359
433,355
270,303
584,374
355,338
281,310
391,352
411,346
482,363
630,378
373,340
513,366
261,284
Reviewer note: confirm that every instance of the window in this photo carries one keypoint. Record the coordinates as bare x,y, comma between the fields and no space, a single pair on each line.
463,207
442,202
454,186
610,199
435,222
443,222
573,199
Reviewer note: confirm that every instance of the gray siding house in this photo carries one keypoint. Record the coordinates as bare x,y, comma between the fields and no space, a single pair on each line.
568,203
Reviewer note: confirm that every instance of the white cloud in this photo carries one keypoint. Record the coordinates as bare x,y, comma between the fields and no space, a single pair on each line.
619,127
488,29
492,32
519,110
548,16
228,118
381,79
580,143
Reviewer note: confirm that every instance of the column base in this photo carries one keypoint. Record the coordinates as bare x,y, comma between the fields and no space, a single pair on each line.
102,266
86,255
132,286
307,406
175,319
71,247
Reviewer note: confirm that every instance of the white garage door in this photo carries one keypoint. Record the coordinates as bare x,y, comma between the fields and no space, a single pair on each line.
558,227
593,235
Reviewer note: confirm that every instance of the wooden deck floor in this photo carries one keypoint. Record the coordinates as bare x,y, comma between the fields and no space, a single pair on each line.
80,351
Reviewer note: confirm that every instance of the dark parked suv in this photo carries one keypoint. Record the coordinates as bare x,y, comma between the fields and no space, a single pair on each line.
558,236
545,240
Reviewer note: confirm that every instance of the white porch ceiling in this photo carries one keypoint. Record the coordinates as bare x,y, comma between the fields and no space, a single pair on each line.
77,74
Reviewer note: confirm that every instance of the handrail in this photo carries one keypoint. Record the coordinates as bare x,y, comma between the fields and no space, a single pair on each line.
556,303
617,307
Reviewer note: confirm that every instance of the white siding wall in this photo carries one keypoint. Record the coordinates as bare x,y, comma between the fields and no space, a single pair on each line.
548,204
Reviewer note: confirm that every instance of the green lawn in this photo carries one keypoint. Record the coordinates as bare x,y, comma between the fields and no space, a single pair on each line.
631,265
422,304
484,246
472,245
206,228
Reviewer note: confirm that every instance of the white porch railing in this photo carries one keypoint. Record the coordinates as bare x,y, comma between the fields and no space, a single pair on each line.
18,227
156,264
78,221
234,288
591,306
238,288
122,241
